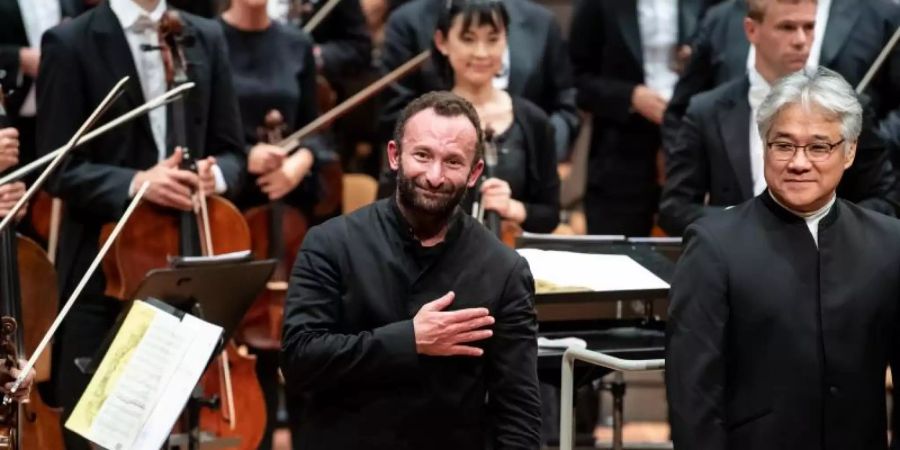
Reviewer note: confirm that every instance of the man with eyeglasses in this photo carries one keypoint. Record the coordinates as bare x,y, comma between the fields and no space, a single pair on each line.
716,160
783,310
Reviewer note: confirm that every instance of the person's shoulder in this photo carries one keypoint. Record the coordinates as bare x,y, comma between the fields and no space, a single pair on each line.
490,250
527,108
68,30
724,94
872,221
724,224
412,12
293,35
208,29
720,12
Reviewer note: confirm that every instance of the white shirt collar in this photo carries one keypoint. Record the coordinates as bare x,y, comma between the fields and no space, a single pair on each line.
759,89
812,219
128,12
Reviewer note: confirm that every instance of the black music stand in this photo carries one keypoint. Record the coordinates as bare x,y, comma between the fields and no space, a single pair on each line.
219,293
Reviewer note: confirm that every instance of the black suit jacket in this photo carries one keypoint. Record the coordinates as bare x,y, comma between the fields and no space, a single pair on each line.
712,158
540,71
12,38
349,340
606,51
856,32
773,344
81,60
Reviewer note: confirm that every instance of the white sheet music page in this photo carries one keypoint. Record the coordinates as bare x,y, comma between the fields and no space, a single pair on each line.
148,362
558,271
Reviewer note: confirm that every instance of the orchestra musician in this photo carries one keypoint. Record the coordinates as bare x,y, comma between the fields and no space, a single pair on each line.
783,310
81,59
408,325
627,56
718,154
535,65
274,69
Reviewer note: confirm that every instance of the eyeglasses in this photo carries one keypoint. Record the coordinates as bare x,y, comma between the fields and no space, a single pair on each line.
815,152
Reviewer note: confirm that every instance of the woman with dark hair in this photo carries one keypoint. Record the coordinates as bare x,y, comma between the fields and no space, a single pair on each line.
273,69
469,47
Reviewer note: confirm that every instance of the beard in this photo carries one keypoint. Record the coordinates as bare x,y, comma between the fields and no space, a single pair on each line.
438,207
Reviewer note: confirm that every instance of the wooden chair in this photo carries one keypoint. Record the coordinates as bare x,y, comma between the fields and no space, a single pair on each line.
359,190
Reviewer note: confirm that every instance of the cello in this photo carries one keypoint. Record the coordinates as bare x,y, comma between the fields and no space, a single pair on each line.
28,302
277,230
216,226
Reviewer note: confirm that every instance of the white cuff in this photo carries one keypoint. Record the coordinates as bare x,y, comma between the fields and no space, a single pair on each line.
221,186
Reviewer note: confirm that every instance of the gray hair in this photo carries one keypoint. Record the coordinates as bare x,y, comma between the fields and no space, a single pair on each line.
822,88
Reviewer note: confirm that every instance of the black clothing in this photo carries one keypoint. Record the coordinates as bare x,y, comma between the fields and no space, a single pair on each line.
539,68
775,344
712,158
81,60
343,37
855,34
14,83
349,342
607,55
525,160
275,69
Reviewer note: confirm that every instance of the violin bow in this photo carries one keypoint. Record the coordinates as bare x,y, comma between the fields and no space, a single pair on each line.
111,97
162,100
291,143
74,296
870,74
319,16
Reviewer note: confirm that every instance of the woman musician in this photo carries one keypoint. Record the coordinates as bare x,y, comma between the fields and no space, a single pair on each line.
469,42
274,73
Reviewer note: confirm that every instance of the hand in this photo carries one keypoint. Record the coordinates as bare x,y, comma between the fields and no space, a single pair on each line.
496,195
264,158
206,175
24,389
648,103
10,194
29,60
279,182
440,333
9,148
169,185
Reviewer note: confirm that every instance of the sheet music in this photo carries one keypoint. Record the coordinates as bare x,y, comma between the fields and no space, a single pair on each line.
557,271
138,390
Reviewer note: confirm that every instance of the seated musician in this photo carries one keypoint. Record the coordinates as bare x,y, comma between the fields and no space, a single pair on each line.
470,40
784,312
81,60
407,324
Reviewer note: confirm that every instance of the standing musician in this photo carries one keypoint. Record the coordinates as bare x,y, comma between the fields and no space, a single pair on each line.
535,65
273,68
81,60
627,55
408,325
22,23
470,39
783,310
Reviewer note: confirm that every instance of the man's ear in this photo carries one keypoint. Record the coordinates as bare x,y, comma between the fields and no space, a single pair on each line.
440,41
475,174
850,155
393,154
750,29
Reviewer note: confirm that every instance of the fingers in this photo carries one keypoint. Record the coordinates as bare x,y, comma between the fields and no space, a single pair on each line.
472,336
175,159
465,315
464,350
441,303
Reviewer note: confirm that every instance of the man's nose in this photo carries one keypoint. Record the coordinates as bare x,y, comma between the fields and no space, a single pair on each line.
435,175
799,163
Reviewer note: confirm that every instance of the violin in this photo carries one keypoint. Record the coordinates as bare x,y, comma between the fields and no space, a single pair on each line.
505,230
277,230
217,226
28,303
